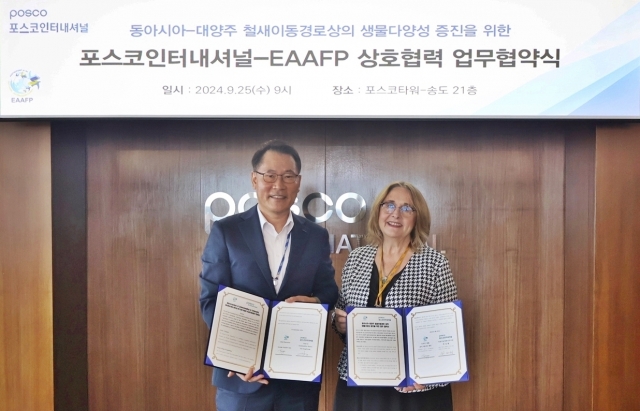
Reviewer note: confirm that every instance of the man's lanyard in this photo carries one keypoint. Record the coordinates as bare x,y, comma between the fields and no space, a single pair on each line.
286,245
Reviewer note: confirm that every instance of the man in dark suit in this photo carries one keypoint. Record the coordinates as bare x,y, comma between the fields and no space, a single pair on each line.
270,252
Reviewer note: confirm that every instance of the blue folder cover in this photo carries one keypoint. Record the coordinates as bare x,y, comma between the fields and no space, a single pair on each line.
270,304
408,381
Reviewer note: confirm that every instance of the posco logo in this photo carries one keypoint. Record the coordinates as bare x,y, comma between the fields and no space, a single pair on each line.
210,218
27,13
344,242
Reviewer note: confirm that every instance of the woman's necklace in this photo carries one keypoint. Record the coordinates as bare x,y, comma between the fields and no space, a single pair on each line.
383,282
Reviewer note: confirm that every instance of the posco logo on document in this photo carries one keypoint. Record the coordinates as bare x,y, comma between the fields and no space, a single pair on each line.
23,83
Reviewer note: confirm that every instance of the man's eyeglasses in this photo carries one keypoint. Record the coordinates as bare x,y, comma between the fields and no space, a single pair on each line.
389,207
288,178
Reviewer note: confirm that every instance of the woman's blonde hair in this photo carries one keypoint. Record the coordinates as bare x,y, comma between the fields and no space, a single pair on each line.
420,231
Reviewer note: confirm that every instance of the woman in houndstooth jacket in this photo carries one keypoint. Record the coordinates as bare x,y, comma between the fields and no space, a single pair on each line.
397,269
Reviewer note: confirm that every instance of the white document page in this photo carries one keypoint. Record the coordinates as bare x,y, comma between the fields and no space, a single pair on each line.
238,331
436,344
375,347
296,341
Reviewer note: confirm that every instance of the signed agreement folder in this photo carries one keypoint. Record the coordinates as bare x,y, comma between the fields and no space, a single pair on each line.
280,340
402,346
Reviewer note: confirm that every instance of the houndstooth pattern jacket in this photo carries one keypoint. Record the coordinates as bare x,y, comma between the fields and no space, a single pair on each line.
426,279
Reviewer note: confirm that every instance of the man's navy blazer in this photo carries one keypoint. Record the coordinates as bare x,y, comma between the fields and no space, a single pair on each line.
235,256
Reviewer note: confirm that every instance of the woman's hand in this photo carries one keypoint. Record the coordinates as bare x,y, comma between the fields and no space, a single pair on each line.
249,377
340,320
416,387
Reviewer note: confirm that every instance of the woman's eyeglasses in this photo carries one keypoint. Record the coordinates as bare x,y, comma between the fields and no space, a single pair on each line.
389,207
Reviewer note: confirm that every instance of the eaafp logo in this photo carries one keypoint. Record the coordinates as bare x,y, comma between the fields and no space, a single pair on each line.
22,83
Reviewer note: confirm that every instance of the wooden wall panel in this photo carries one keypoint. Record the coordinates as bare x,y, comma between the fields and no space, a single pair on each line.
617,268
69,213
143,193
147,184
26,325
496,196
579,268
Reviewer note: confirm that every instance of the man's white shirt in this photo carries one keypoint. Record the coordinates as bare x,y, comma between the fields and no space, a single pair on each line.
275,242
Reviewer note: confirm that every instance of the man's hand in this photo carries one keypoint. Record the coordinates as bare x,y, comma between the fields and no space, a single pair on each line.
249,377
340,319
302,299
